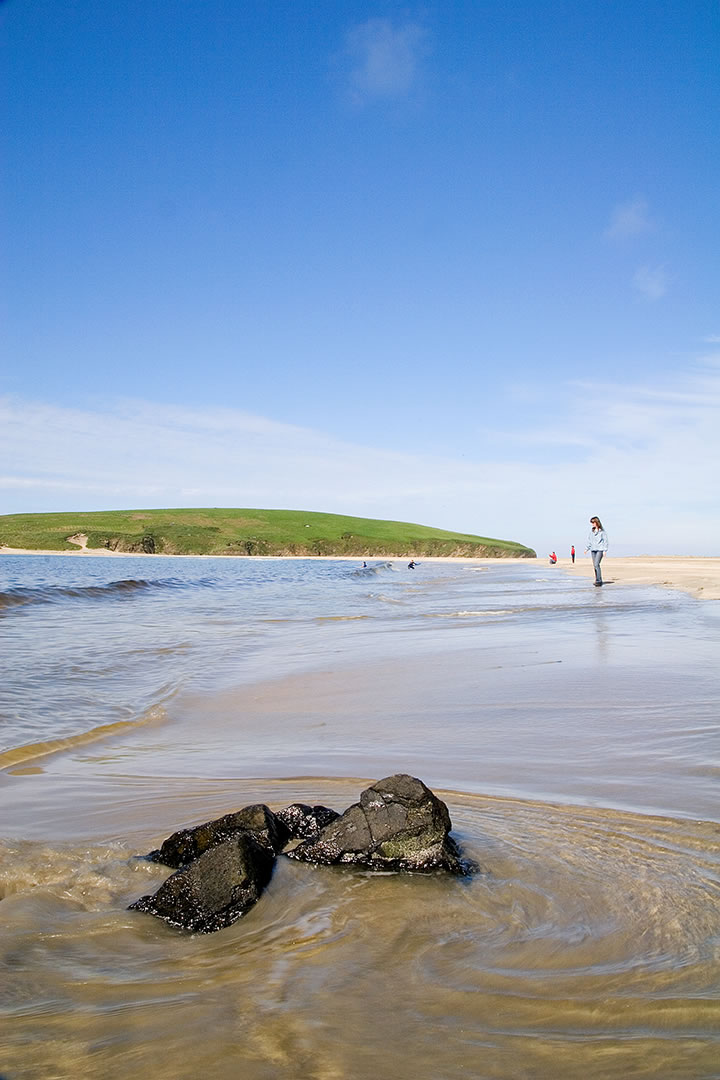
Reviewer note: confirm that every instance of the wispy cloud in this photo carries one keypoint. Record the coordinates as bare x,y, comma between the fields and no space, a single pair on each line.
712,339
384,59
646,457
651,281
629,219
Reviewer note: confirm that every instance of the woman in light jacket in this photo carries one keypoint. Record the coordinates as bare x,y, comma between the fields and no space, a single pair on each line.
597,545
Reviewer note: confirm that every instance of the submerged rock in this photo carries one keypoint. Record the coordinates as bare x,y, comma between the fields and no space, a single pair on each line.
306,822
186,845
399,824
216,889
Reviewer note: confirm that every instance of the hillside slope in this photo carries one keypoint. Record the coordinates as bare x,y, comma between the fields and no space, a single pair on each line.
243,532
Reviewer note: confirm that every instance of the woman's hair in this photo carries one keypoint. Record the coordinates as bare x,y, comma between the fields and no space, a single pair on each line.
596,521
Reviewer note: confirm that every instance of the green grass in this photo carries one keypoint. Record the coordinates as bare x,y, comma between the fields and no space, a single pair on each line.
245,532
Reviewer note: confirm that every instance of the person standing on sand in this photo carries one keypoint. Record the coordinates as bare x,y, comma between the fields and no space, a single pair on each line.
572,553
597,545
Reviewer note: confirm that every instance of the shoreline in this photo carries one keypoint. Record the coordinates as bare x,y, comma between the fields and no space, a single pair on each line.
696,575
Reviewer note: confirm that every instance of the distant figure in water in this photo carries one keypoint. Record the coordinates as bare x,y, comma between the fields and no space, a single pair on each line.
553,558
597,545
572,553
364,566
411,564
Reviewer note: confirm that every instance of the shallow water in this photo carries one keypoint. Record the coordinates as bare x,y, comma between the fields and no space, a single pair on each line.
572,732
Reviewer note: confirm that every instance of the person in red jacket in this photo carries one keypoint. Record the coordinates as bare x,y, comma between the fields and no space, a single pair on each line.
553,558
572,553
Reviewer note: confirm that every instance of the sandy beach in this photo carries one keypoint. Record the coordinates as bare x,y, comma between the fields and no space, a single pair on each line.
698,576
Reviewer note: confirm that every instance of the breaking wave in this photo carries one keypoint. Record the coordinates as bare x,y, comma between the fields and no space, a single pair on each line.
468,614
372,570
49,594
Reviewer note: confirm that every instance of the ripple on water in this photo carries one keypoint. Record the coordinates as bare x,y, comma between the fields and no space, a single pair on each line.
576,897
583,925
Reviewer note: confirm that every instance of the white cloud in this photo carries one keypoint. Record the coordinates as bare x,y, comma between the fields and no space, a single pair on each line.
384,58
645,458
712,339
651,281
629,219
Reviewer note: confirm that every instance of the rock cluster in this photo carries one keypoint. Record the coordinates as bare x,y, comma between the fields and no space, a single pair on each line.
223,866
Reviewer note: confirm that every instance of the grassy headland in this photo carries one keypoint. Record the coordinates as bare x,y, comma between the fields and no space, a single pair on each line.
243,532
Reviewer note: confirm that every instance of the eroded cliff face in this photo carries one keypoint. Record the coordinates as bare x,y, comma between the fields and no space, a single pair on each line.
145,545
160,545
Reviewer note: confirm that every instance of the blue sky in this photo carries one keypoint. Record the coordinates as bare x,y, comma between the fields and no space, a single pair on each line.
455,263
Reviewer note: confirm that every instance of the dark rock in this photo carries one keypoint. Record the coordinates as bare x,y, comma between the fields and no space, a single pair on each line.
306,822
214,890
186,845
397,825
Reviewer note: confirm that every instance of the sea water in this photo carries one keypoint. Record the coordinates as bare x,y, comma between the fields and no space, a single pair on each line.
571,730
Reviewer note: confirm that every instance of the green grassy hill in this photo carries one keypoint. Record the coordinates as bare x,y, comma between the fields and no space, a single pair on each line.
244,532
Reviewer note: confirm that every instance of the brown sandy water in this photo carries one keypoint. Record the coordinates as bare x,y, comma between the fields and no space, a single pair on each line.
588,944
576,748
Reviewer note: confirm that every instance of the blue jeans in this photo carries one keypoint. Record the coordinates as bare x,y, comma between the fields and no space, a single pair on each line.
597,559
